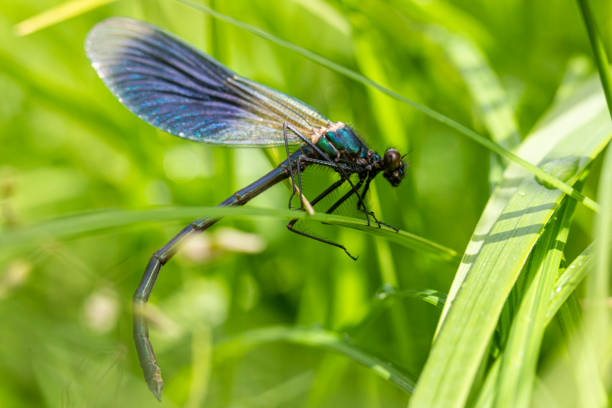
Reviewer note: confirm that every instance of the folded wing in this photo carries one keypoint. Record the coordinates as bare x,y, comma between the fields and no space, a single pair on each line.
182,91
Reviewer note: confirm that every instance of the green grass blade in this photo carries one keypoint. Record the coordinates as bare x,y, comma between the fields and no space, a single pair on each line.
603,231
58,14
388,295
565,285
488,390
431,296
569,280
599,51
482,83
314,338
593,351
323,10
389,120
486,91
598,286
391,126
281,395
580,111
518,367
494,147
201,350
90,222
509,227
452,17
577,72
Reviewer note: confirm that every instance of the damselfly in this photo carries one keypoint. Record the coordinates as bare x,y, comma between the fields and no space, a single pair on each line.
182,91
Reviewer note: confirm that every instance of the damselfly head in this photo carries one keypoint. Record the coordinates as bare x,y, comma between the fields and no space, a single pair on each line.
393,167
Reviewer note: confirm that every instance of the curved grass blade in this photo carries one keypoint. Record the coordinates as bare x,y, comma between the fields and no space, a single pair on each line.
520,356
564,286
574,114
510,225
314,338
326,12
494,147
483,85
599,51
592,370
389,121
431,296
397,237
387,296
486,91
90,222
594,338
569,280
58,14
452,17
577,72
283,394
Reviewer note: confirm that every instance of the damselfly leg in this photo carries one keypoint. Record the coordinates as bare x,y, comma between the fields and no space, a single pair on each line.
291,224
327,162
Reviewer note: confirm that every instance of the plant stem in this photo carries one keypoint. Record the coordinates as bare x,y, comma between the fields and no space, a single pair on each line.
599,52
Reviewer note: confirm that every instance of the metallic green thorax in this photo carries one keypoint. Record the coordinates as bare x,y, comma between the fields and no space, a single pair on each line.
342,140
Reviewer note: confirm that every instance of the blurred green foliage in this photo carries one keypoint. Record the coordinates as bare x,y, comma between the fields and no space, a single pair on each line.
66,145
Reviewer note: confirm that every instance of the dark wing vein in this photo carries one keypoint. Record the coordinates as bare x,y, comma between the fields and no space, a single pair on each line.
176,88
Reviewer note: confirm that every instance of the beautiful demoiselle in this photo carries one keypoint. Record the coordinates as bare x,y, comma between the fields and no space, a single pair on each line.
182,91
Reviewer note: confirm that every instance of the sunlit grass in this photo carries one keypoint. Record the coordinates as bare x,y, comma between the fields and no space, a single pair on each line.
88,192
57,15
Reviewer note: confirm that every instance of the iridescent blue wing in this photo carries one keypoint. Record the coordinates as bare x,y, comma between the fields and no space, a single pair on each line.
177,88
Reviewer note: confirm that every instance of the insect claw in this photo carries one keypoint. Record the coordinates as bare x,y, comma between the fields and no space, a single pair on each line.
354,258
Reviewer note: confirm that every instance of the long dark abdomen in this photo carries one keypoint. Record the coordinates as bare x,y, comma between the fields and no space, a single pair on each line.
146,355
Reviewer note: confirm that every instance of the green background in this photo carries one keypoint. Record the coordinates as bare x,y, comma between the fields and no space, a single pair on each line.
67,145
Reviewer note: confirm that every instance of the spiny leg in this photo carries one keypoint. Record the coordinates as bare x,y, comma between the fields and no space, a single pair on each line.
310,143
304,204
300,159
291,167
361,203
328,161
362,207
354,188
291,228
299,174
341,168
328,190
325,193
344,171
360,200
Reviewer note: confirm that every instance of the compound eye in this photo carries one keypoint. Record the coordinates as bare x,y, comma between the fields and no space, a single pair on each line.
393,159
